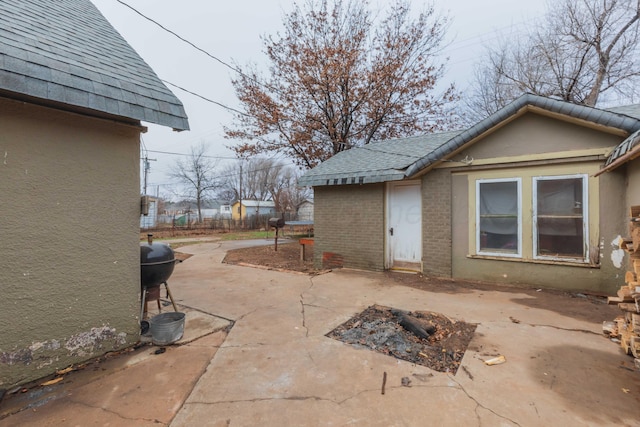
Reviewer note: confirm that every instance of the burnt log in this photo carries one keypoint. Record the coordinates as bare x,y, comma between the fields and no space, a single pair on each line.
414,326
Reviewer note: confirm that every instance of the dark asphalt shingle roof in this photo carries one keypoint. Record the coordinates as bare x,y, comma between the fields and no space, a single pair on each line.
375,162
65,51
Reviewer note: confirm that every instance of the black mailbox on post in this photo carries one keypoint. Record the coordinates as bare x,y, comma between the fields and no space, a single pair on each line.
276,222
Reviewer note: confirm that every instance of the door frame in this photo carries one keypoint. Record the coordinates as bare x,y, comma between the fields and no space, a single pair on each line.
388,254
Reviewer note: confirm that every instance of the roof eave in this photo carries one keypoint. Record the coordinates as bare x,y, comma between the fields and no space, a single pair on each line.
352,179
631,151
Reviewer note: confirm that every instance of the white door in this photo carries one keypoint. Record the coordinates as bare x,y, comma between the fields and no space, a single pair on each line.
404,226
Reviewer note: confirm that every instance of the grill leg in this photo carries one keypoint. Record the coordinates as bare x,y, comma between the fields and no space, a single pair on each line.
166,286
143,302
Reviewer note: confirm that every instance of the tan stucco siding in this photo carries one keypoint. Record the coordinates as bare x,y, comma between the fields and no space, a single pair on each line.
614,220
69,204
628,175
349,225
632,170
604,219
532,135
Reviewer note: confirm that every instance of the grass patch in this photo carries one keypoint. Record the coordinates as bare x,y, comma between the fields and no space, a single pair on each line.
246,235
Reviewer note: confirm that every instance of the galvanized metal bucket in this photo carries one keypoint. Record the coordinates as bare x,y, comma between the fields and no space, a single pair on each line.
166,328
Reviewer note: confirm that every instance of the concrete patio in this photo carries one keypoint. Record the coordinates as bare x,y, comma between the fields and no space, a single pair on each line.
275,367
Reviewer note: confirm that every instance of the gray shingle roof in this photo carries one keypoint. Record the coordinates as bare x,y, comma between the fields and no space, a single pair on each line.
399,159
375,162
632,110
65,51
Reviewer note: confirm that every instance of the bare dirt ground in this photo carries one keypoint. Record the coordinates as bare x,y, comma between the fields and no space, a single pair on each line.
287,257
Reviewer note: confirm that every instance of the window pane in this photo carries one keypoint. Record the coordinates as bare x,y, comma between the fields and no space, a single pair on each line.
560,221
498,211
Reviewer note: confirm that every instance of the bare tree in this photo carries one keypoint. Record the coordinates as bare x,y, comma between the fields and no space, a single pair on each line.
286,194
262,179
339,78
250,179
196,176
582,51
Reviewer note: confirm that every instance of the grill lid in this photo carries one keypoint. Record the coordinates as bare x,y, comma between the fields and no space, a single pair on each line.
155,253
156,263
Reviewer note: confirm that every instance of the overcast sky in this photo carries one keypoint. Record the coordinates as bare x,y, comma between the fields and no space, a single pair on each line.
231,30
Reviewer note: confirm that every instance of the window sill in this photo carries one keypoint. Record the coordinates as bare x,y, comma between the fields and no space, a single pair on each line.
581,264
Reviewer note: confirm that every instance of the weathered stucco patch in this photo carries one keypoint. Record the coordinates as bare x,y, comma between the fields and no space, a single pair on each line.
82,344
88,342
24,356
617,254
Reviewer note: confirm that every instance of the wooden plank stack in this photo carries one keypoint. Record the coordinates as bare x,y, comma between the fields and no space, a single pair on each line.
626,327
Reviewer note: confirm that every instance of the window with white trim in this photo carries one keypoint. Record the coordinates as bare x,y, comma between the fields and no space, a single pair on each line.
499,217
560,217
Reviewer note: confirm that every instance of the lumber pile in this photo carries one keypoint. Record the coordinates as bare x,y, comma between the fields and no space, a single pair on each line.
626,327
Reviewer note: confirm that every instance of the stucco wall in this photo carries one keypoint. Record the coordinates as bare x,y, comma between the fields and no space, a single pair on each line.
630,173
349,226
605,219
533,134
632,183
614,222
69,259
525,148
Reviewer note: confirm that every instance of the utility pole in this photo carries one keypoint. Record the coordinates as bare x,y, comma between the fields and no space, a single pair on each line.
240,195
147,168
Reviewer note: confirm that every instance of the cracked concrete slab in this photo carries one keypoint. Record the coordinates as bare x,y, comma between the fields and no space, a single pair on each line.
277,367
143,389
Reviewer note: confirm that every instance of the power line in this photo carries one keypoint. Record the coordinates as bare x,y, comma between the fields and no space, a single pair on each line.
232,174
215,58
171,153
180,37
199,49
205,98
186,154
474,40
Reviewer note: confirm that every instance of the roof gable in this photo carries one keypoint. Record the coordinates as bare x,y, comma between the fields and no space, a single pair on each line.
66,52
527,102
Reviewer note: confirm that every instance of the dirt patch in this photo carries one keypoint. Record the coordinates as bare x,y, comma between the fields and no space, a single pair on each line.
182,256
578,305
381,329
287,257
166,233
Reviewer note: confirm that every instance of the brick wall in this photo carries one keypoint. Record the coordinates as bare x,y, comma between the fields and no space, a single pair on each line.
349,226
436,223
